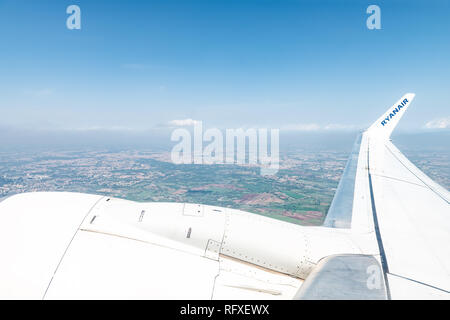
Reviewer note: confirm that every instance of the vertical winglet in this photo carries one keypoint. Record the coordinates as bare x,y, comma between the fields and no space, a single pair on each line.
383,127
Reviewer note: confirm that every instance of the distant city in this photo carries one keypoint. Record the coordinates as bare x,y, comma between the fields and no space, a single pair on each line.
300,192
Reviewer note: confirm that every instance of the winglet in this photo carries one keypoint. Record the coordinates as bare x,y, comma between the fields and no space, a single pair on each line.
383,127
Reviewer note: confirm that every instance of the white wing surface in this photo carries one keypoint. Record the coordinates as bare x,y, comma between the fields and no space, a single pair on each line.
407,211
386,236
412,213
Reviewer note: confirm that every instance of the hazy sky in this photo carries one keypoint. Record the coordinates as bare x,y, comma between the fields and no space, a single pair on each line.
285,64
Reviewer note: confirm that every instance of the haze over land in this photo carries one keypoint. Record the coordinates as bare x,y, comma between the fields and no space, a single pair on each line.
137,167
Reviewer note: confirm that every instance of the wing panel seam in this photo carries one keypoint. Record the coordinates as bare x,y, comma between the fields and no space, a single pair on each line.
70,242
384,263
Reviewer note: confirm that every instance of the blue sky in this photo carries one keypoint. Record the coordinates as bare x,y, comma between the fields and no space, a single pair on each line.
280,64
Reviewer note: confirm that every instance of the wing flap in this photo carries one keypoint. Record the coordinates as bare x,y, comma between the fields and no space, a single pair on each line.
344,277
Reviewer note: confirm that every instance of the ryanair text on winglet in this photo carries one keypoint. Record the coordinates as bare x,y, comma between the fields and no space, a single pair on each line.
229,309
394,112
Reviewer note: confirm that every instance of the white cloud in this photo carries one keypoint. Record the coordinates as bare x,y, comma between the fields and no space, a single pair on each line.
441,123
337,126
183,122
301,127
99,128
317,127
41,92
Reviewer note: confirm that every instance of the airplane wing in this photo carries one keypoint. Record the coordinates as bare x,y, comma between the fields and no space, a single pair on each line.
381,190
384,237
412,214
60,245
